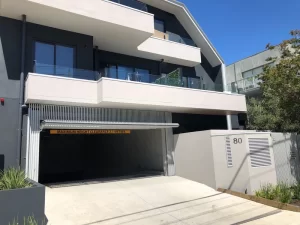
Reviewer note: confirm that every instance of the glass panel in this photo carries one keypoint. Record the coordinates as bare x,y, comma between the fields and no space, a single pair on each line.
132,3
64,61
248,74
111,71
124,73
194,83
142,75
159,25
177,38
257,71
44,58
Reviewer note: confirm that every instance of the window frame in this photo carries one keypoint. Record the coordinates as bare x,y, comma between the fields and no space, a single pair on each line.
54,44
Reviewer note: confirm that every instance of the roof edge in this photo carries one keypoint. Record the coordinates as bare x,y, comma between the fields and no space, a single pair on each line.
181,4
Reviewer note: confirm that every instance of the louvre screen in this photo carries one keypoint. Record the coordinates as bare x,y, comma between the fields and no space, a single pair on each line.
259,152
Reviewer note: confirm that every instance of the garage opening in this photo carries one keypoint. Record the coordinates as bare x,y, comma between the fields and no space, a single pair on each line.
74,157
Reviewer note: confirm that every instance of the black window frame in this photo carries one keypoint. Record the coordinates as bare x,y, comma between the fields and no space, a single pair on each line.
54,44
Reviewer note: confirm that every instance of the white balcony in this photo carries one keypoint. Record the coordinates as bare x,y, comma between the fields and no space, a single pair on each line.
115,27
171,51
114,93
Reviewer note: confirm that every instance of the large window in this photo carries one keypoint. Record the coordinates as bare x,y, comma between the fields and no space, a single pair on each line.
256,71
54,59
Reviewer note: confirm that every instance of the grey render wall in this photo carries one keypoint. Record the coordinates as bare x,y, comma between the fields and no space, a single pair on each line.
235,70
194,157
10,44
18,204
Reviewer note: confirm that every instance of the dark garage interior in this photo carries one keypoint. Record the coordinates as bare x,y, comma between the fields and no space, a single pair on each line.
69,157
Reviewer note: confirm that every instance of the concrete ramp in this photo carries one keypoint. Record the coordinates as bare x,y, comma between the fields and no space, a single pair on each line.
156,200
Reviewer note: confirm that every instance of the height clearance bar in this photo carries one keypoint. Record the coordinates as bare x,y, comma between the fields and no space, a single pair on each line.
90,131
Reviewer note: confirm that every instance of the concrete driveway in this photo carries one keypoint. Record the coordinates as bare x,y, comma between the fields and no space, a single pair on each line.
156,200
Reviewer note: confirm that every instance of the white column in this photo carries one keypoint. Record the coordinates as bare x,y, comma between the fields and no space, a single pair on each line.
229,123
228,116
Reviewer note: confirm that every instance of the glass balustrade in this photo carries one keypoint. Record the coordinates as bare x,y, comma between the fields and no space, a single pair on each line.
172,79
63,71
245,85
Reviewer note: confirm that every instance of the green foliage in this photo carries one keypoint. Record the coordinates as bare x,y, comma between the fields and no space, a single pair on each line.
172,79
285,193
267,191
296,191
27,221
280,192
279,107
13,178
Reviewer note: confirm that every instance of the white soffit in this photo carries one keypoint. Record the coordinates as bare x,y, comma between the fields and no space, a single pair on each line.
191,26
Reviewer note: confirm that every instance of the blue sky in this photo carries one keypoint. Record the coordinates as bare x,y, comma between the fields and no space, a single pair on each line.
240,28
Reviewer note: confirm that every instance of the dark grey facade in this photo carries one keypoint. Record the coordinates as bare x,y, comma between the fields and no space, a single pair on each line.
87,57
10,64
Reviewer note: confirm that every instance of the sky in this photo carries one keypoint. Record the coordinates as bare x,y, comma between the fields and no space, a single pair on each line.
241,28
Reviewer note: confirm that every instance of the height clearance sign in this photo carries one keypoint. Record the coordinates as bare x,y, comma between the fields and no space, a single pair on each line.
90,131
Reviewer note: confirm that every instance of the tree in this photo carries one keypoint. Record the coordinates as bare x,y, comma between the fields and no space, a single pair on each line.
279,107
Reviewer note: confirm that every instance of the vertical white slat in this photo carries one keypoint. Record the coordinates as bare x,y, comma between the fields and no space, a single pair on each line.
170,146
28,143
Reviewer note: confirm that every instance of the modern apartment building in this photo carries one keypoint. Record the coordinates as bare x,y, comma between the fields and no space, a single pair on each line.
98,88
242,76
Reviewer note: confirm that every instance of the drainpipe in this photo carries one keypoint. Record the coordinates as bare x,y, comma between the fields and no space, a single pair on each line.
228,116
21,94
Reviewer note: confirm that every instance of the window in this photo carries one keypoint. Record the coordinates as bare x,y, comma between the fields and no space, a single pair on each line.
256,71
54,59
159,25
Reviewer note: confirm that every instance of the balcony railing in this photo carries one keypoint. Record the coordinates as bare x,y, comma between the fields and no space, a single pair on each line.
174,37
245,85
63,71
133,4
172,79
177,38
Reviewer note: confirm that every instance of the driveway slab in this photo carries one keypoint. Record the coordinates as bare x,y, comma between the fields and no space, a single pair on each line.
156,201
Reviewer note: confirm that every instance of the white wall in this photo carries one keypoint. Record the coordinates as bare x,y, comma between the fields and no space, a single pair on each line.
126,94
194,158
265,174
236,177
172,52
102,10
241,176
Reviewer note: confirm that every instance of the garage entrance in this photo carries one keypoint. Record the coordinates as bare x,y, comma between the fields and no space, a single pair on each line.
73,157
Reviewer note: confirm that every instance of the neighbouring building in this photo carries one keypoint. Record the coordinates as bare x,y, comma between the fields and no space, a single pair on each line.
99,88
242,76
